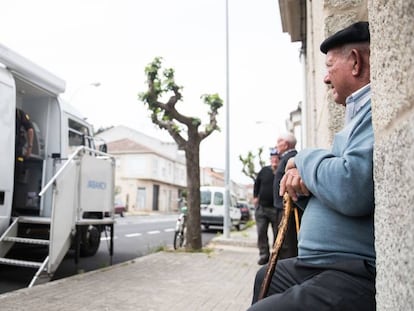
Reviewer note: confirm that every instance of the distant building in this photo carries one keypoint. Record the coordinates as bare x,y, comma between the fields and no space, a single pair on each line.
294,125
211,177
150,174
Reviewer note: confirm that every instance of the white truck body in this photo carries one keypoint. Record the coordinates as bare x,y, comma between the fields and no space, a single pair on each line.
65,196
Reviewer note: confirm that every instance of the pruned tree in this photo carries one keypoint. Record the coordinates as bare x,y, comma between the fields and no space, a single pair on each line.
249,163
185,131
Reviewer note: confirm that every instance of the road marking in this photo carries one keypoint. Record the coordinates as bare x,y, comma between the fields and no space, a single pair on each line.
131,235
154,232
106,238
131,219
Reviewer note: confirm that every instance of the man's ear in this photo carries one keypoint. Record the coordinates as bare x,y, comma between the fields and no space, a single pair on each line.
356,59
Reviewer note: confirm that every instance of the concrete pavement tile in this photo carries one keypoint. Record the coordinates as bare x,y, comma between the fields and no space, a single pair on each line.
220,280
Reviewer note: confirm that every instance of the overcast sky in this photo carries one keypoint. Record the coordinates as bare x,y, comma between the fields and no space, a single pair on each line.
111,42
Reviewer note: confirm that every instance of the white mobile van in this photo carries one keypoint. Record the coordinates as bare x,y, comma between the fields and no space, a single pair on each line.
212,207
63,197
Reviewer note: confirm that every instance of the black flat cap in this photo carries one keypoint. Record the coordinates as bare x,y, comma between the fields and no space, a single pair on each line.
358,32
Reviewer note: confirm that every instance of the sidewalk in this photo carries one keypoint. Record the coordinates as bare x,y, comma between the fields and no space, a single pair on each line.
220,279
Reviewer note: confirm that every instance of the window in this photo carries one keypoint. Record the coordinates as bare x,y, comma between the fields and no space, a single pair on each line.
205,197
78,134
218,198
141,198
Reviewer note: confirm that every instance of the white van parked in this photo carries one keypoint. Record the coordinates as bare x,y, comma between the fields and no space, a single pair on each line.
212,207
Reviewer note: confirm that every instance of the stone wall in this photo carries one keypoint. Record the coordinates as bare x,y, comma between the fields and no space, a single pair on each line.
315,105
392,71
392,77
323,116
338,15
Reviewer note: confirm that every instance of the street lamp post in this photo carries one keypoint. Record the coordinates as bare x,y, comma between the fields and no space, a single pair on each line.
226,222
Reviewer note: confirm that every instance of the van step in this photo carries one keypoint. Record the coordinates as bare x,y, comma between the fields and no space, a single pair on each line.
26,240
34,220
20,263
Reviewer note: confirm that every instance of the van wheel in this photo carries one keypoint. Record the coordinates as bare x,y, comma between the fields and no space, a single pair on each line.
237,227
90,241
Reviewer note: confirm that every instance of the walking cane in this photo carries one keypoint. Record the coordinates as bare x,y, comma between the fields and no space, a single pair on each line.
295,210
287,201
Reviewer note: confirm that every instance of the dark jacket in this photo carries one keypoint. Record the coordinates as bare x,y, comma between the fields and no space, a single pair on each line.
263,186
23,124
280,171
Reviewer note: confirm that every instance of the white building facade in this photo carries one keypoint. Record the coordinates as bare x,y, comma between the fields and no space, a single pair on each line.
150,174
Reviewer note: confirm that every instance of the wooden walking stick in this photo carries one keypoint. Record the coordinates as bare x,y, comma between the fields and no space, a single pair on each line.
287,201
295,209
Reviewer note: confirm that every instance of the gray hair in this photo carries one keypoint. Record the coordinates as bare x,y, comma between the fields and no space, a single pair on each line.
362,47
290,138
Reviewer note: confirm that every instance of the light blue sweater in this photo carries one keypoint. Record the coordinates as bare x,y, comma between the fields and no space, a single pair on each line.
338,221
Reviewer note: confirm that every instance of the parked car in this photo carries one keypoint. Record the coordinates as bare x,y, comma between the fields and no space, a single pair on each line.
245,211
119,208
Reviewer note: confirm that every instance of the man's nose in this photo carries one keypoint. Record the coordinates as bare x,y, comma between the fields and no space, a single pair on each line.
326,79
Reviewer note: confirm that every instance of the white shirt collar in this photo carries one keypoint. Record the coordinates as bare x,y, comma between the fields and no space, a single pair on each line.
356,101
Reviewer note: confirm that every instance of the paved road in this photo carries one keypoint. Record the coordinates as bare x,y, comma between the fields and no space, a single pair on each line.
135,236
221,279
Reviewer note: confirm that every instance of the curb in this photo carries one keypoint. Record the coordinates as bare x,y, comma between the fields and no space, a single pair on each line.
233,242
243,238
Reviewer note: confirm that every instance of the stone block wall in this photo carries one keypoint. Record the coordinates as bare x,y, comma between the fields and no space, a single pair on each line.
392,81
324,117
392,71
315,99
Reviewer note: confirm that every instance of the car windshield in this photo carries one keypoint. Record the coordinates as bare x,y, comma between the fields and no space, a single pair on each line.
205,197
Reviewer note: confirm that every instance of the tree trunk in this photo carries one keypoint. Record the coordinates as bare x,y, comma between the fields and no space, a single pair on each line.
193,195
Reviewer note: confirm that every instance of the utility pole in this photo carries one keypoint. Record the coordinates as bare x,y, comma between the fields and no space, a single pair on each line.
227,222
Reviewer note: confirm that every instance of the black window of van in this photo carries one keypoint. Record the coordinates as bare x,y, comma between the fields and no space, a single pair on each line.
218,198
205,197
78,134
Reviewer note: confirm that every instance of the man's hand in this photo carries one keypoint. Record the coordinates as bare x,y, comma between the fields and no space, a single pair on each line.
30,136
292,183
28,152
290,164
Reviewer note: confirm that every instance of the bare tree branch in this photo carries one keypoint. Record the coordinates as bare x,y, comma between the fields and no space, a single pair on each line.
167,117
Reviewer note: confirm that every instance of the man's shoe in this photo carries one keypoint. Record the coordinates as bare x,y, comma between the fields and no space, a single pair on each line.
262,261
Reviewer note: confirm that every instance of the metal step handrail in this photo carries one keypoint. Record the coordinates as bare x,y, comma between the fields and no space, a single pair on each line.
41,269
52,180
74,154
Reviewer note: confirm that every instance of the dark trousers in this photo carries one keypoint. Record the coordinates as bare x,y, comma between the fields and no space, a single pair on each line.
19,200
295,285
265,216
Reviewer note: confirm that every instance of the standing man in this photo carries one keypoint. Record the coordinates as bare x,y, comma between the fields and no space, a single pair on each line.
23,150
265,213
286,144
335,267
24,135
